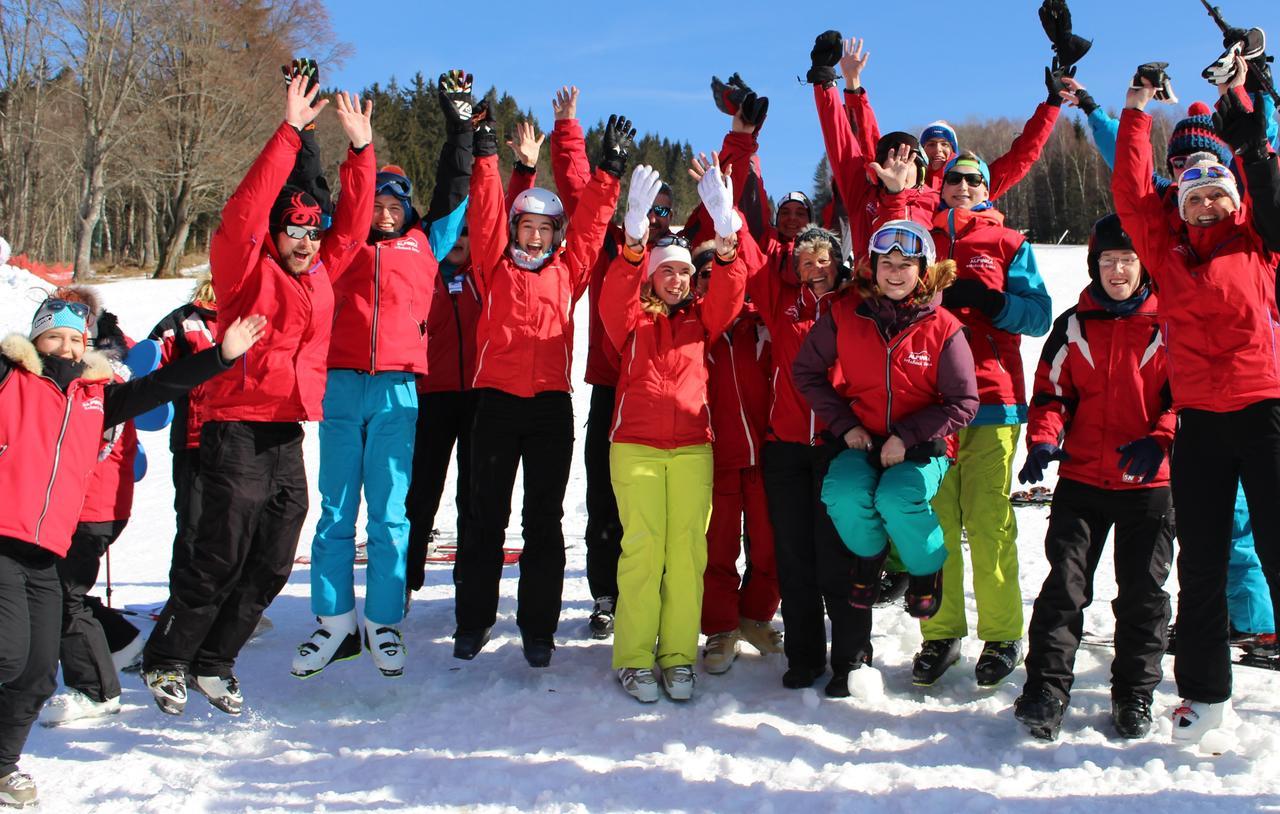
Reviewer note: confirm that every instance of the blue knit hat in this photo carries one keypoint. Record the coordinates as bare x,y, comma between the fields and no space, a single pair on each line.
942,130
54,313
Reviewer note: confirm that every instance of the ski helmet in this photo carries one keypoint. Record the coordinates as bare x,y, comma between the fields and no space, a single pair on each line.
539,201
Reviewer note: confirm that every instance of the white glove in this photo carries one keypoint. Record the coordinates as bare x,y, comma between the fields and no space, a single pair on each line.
645,184
716,192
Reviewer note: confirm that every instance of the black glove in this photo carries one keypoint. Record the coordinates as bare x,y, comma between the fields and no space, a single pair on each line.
1038,457
1141,459
619,138
486,138
1243,124
455,99
1086,102
926,451
973,294
736,96
109,339
1053,81
1154,73
1055,18
304,66
824,56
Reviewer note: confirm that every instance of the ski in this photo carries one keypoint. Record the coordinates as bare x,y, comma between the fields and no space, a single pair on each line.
448,553
1035,496
362,556
1246,659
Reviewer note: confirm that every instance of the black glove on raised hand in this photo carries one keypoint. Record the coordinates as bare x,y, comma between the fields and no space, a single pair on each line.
824,56
619,138
455,99
1055,18
736,96
486,138
1154,73
1038,457
1140,460
1086,102
973,294
1243,125
1053,81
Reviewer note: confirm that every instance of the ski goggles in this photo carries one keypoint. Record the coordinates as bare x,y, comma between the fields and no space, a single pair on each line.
54,306
1196,173
903,238
661,211
973,179
396,185
671,240
299,232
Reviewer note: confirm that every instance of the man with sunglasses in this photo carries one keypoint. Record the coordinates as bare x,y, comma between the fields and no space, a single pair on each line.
379,347
267,256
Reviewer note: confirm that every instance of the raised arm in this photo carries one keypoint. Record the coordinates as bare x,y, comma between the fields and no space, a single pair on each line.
353,216
848,162
447,211
1013,166
486,214
856,103
1137,203
569,164
1243,124
590,223
620,308
729,279
525,146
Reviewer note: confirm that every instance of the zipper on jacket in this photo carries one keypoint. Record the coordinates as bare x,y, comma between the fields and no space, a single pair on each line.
3,447
57,459
377,295
457,323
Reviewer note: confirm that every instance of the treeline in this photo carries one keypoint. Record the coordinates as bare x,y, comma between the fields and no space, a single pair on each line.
1068,188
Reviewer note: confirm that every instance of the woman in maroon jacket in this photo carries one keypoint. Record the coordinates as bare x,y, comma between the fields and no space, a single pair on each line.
1216,276
55,400
1101,407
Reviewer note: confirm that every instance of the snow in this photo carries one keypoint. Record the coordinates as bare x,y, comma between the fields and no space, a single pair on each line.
495,735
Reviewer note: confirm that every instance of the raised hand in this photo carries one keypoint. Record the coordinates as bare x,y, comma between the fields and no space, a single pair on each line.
565,103
1140,93
302,66
241,335
826,52
619,138
486,138
853,62
715,188
356,121
1055,81
645,184
896,170
527,144
298,109
455,100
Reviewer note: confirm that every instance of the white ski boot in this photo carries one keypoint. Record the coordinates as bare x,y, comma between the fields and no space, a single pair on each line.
1192,720
640,683
223,693
386,647
334,640
678,682
74,705
169,687
17,790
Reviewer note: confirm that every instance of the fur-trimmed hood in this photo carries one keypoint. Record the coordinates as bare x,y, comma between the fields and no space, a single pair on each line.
22,353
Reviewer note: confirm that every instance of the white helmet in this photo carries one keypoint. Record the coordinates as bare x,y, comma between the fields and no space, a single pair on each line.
539,201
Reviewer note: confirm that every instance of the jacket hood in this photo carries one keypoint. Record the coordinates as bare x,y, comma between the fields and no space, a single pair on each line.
957,221
21,352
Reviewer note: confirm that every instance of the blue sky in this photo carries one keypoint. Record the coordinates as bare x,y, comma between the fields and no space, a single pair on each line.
929,60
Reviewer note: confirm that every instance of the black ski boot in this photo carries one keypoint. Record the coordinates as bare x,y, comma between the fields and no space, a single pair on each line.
538,650
1131,716
601,622
797,678
893,584
935,656
838,686
924,595
1040,711
468,643
864,580
997,662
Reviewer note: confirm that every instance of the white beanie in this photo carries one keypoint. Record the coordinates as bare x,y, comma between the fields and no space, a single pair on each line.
672,253
1220,177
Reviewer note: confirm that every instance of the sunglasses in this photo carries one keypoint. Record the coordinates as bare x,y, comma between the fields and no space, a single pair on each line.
671,240
1196,173
78,308
904,240
973,179
661,211
299,232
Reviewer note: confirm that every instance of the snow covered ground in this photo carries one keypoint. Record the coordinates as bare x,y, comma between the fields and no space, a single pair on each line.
495,735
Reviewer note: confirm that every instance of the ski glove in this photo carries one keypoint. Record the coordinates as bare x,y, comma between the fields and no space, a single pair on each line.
1038,457
824,56
973,294
645,184
736,96
1154,73
619,138
455,100
1086,102
1053,81
486,138
1140,460
1055,19
305,66
716,191
1243,125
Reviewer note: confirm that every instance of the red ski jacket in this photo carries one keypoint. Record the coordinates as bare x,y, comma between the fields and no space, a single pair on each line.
109,496
1216,287
185,331
738,361
662,390
525,333
916,382
282,378
451,332
1100,384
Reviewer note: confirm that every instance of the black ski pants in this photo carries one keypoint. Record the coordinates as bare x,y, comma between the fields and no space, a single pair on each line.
814,566
444,420
187,498
1210,451
1079,521
510,431
30,621
85,650
604,529
255,501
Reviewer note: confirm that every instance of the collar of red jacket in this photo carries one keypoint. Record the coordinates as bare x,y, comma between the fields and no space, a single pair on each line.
1205,241
1088,303
958,221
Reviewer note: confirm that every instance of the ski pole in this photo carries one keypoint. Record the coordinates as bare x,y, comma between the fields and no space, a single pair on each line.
108,554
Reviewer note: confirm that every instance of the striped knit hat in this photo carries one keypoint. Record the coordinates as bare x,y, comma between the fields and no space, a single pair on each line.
1196,133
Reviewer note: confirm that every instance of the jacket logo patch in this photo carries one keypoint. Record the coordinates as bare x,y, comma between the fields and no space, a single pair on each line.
406,243
982,262
919,358
93,403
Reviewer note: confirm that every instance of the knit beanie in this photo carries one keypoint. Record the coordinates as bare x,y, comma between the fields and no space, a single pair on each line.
942,130
671,253
1210,173
294,207
1107,235
54,313
1196,133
